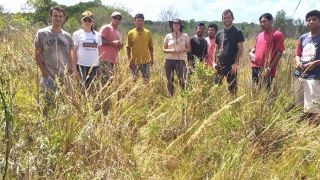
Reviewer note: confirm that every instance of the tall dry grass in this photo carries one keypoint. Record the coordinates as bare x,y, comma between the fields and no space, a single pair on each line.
134,131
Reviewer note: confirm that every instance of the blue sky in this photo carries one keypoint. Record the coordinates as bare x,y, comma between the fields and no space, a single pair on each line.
244,10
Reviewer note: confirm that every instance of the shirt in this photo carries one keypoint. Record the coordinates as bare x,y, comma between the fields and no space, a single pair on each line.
56,50
198,48
211,48
229,39
140,42
108,52
87,43
308,48
177,43
267,45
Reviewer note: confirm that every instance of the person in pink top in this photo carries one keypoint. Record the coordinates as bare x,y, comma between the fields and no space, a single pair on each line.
211,41
266,53
111,45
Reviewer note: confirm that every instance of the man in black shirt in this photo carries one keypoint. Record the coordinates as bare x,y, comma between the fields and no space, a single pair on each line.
198,45
228,52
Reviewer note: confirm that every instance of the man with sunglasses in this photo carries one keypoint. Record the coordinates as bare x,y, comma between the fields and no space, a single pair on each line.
111,45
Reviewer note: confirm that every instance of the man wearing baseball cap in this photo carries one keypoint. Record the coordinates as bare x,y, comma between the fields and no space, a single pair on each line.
111,44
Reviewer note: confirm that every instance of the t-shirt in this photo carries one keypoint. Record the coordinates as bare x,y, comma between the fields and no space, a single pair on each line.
56,50
308,48
211,48
87,43
108,52
140,42
177,43
230,37
198,48
266,47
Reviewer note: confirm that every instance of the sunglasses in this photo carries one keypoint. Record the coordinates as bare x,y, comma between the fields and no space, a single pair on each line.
87,20
117,17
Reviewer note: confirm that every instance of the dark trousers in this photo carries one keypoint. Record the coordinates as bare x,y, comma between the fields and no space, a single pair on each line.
172,66
87,74
225,71
259,81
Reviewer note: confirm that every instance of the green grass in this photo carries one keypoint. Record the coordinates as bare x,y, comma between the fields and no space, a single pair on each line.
201,133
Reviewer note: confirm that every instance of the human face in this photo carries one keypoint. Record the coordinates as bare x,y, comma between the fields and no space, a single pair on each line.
200,30
139,23
211,32
313,23
266,24
227,19
87,22
57,18
176,26
116,20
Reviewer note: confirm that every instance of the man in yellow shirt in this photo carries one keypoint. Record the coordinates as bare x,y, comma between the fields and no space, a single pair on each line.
140,49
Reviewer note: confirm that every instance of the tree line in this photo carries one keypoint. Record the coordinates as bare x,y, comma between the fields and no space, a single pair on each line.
290,27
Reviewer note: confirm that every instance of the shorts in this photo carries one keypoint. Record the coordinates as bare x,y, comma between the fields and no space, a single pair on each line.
307,93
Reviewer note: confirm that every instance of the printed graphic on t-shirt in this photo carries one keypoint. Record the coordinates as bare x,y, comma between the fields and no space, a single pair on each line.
52,41
309,52
90,44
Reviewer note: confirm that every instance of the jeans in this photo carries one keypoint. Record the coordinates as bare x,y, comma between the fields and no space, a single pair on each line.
107,70
225,71
48,89
258,81
174,65
87,74
144,68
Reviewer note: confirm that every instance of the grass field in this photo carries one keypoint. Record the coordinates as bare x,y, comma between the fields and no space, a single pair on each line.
202,133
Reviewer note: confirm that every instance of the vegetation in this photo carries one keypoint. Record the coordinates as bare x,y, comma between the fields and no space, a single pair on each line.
130,130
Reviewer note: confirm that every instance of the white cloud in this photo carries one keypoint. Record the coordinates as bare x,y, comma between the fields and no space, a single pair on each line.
244,10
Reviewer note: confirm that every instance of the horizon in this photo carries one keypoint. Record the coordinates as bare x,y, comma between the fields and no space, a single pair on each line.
242,11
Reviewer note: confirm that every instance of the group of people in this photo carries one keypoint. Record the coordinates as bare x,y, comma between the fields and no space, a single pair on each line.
88,53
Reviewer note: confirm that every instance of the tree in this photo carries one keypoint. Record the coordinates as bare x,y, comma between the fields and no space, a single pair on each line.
41,8
285,24
165,16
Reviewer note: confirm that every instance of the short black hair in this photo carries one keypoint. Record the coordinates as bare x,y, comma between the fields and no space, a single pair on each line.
267,16
57,8
313,13
201,24
212,25
139,16
226,12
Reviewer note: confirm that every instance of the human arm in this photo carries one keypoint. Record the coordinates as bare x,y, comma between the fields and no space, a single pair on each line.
40,62
234,66
252,54
116,43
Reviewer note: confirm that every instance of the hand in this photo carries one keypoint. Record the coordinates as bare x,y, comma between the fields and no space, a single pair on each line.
131,66
215,66
234,68
309,66
118,43
266,72
75,75
252,56
151,62
299,65
45,74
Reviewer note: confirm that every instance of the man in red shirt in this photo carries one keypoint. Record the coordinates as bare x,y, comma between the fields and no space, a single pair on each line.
266,53
111,45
